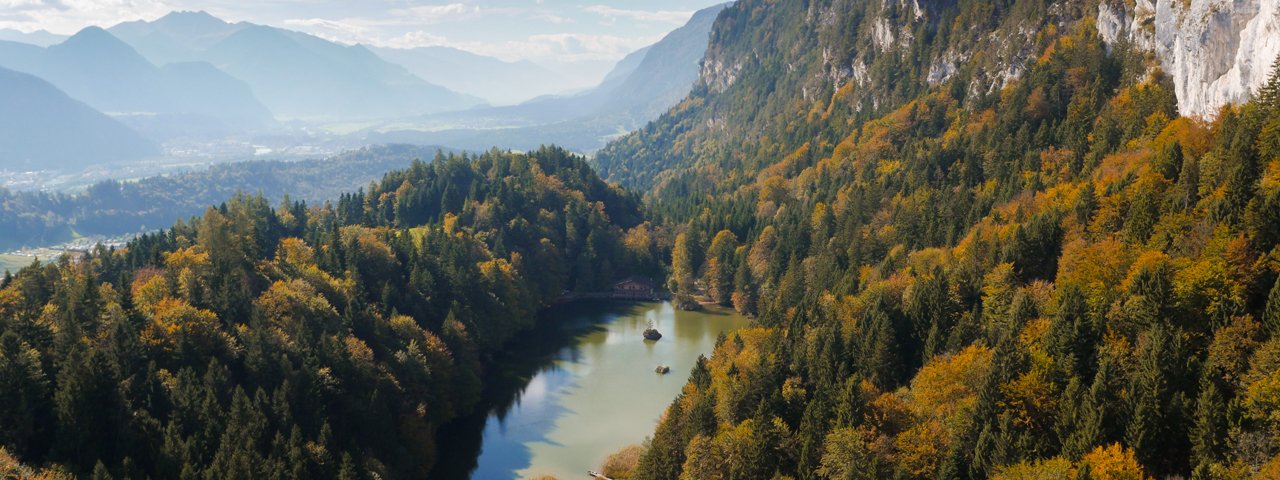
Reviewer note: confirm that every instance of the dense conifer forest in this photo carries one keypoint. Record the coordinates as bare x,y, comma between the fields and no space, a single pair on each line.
302,341
1058,277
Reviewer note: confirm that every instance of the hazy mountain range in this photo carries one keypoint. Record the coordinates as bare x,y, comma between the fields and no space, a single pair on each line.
97,68
42,38
190,75
500,82
296,75
40,126
641,87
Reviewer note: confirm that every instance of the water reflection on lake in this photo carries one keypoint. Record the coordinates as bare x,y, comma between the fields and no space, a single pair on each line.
579,388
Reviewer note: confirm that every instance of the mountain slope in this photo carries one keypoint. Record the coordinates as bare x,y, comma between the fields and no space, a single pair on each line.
665,75
177,36
640,87
43,128
296,75
979,242
845,60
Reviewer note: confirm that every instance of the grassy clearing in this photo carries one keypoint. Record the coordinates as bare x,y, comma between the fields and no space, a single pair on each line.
13,263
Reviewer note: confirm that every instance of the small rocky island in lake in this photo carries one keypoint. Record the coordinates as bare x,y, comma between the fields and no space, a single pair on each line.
663,369
652,333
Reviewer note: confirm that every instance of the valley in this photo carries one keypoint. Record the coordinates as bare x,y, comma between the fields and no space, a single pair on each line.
918,240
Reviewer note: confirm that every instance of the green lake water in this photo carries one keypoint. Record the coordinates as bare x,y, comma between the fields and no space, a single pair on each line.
579,388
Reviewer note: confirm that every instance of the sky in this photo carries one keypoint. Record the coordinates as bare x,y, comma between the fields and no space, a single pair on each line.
543,31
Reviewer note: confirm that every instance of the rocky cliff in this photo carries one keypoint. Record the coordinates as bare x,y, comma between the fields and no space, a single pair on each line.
1216,51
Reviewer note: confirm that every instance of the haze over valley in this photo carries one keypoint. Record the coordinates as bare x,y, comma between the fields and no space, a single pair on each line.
199,90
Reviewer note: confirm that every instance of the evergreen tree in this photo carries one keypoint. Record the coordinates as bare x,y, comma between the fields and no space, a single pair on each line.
1271,313
1209,432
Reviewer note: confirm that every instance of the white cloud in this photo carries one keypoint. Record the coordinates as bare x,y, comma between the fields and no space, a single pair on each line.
413,40
332,30
69,16
432,13
560,47
533,30
664,16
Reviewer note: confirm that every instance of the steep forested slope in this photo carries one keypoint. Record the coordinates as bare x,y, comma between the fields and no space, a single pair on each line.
1024,264
301,342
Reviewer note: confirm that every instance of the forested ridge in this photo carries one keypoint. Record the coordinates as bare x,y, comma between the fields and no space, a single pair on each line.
1055,276
301,341
114,207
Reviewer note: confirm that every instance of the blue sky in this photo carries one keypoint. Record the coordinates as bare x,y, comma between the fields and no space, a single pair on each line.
545,31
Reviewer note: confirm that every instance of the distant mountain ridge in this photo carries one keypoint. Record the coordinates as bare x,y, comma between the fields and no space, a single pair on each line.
39,38
498,81
641,87
295,74
97,68
42,128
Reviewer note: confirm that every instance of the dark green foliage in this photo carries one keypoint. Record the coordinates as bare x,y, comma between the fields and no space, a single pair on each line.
1064,234
296,342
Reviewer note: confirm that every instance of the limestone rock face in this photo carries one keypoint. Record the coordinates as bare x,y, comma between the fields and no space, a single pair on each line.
1216,51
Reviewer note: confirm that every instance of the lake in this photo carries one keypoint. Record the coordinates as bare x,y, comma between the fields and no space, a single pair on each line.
580,387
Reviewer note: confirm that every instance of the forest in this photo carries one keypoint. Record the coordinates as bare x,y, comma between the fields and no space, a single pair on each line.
301,341
1047,275
1059,279
115,207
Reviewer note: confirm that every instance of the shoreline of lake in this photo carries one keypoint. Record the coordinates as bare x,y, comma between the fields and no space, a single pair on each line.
579,385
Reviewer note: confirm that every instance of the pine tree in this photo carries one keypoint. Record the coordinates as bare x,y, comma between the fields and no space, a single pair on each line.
100,472
24,396
1155,430
878,351
1071,338
1269,93
1096,413
744,294
1086,204
665,453
682,264
1271,314
1169,162
1209,433
347,471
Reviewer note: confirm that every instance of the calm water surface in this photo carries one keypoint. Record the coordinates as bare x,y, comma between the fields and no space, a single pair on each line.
578,389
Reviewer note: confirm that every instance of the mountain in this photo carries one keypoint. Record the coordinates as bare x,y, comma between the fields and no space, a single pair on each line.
664,76
40,38
42,128
979,239
870,57
296,75
638,89
497,81
1217,52
177,36
95,67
